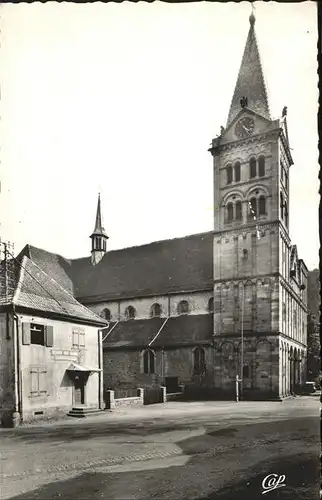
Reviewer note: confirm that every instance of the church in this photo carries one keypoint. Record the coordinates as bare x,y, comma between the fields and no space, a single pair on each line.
197,313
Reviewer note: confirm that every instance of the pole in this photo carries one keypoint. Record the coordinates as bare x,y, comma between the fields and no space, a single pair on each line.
6,271
242,339
237,388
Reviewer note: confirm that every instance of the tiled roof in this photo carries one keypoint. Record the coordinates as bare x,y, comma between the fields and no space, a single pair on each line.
156,268
186,329
38,291
180,264
132,333
182,330
53,264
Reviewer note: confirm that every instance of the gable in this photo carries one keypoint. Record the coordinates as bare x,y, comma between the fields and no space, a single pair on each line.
261,125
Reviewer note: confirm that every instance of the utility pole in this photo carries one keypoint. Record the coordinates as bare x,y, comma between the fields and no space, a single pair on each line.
242,341
239,378
5,271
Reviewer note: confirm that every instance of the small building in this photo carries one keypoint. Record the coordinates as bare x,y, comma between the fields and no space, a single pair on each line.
50,347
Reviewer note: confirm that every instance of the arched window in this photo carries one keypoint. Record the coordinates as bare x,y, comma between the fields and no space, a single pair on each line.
237,171
229,170
106,314
230,212
253,208
183,307
130,312
211,304
261,166
148,361
252,168
238,207
282,206
199,363
155,310
262,205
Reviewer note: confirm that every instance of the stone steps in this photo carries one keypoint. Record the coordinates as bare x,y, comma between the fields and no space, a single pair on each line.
82,412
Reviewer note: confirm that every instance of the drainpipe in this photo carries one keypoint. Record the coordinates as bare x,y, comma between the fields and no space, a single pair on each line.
17,415
100,378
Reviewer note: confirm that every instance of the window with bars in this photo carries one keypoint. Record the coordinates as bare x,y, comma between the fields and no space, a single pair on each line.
38,381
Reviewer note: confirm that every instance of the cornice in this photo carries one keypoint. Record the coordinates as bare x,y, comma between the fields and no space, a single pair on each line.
246,229
249,141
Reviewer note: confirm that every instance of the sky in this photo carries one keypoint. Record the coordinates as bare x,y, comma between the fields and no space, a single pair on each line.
124,99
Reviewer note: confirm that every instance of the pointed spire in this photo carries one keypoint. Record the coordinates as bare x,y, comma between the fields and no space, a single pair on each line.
99,229
98,237
250,82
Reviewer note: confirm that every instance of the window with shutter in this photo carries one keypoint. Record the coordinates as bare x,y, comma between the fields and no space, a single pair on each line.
38,381
26,333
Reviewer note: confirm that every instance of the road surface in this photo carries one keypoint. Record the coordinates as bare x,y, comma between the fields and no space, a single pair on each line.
210,450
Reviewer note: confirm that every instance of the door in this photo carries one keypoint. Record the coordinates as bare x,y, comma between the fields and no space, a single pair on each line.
79,390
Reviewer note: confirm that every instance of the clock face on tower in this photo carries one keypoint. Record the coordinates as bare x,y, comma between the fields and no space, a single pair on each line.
244,127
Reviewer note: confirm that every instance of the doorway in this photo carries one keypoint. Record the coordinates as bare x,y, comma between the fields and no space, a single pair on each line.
79,389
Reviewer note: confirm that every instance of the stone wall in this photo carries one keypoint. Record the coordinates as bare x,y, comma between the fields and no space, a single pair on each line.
198,303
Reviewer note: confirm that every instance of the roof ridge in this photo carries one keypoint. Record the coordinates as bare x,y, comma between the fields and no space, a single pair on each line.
150,243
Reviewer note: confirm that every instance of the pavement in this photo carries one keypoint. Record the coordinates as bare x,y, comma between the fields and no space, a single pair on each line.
178,450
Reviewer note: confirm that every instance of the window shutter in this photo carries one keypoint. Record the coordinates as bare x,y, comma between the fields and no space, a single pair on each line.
49,332
75,338
42,381
34,389
26,333
81,339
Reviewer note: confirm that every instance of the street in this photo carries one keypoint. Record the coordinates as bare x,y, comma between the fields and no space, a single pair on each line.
191,450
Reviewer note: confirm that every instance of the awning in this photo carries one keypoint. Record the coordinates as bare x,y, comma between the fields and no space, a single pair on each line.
74,367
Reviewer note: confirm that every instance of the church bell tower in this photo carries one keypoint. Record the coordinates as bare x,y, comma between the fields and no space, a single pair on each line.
98,237
251,161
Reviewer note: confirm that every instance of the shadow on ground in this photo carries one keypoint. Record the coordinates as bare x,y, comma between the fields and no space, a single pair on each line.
302,480
203,475
302,483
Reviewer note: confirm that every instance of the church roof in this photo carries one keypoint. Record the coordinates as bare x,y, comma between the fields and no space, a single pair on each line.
38,291
168,266
181,330
250,80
